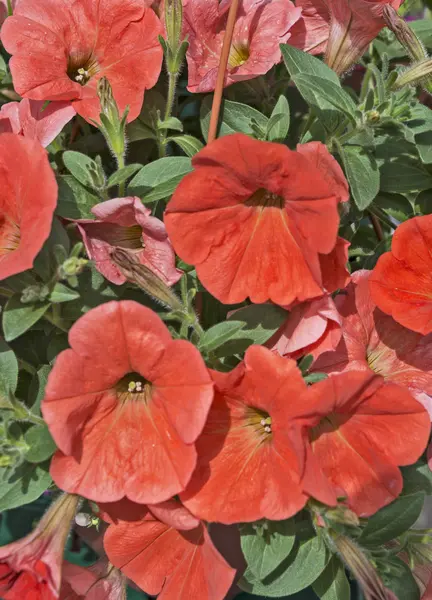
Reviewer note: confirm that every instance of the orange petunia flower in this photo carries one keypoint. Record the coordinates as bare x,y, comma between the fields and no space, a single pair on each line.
163,561
27,204
249,466
60,51
401,282
125,405
259,220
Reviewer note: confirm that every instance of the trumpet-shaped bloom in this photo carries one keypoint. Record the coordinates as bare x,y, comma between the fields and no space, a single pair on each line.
401,282
125,405
260,27
259,220
163,561
372,340
355,430
98,582
60,51
30,119
27,204
249,467
341,28
31,567
126,223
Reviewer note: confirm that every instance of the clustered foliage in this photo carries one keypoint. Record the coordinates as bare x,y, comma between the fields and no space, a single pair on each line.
216,297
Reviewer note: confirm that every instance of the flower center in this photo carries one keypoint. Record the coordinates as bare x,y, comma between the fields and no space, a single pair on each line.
264,199
260,423
133,386
129,238
10,235
238,55
81,70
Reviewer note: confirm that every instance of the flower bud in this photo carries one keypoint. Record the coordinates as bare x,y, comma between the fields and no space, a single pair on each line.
72,267
108,104
173,23
418,74
34,293
404,34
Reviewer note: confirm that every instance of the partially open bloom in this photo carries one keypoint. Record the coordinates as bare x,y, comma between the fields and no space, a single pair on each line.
126,223
341,28
248,466
172,564
31,567
355,430
125,405
60,51
31,119
28,200
401,282
259,220
372,340
98,582
261,26
308,326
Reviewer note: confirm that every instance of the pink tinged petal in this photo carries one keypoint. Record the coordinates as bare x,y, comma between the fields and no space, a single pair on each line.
9,118
44,124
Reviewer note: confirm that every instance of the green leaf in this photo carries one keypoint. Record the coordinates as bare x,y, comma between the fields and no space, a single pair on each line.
396,206
123,174
74,200
45,263
219,334
333,583
421,127
189,144
18,317
279,122
38,387
82,167
171,123
315,377
26,484
160,178
404,175
299,62
362,173
400,580
42,446
392,520
417,478
234,118
300,569
264,553
319,93
61,293
8,370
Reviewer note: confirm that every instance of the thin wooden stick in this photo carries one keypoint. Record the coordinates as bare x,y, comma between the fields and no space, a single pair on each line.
226,47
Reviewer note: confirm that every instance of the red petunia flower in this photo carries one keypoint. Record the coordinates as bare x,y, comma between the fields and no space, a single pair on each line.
31,567
125,405
28,201
126,223
175,565
401,282
355,429
248,467
61,50
261,26
341,28
259,220
372,340
308,326
30,119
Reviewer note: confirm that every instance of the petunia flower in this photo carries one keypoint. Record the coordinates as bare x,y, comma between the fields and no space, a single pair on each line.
60,51
4,9
31,567
259,220
98,582
401,282
261,26
28,201
32,120
249,467
355,430
125,405
126,223
172,564
309,325
373,341
341,28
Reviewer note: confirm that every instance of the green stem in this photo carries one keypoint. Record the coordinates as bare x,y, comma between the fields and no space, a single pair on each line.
172,86
26,366
308,124
121,165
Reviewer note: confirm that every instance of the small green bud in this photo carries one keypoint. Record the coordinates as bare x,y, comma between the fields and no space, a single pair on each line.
173,23
34,293
418,74
72,267
372,117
